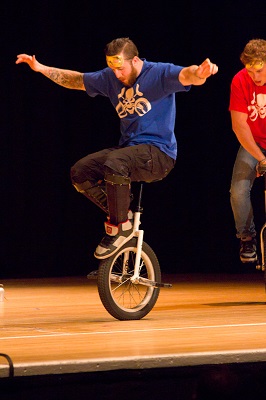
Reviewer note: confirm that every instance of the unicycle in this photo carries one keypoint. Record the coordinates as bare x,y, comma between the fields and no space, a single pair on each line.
129,281
261,263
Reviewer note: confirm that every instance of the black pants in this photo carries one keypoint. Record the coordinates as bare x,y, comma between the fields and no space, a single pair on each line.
104,177
142,162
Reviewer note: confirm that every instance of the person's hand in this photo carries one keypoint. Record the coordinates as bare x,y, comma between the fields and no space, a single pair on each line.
30,60
206,69
261,168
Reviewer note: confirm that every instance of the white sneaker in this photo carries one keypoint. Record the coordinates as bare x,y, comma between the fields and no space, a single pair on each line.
116,237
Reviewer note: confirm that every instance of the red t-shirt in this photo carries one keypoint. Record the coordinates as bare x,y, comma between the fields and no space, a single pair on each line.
248,98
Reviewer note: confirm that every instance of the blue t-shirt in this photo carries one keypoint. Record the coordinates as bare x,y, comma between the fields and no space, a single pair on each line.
147,110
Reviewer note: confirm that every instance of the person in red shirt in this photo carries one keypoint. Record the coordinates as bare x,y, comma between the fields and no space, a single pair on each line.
248,115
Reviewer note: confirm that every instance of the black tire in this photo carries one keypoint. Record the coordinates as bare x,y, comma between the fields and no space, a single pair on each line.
264,261
122,298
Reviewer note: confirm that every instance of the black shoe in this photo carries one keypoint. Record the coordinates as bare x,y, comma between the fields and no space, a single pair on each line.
116,237
248,251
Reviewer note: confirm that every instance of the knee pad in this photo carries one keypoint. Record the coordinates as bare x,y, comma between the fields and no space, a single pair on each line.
118,197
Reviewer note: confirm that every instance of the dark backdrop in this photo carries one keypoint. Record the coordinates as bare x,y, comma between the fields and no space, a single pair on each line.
47,228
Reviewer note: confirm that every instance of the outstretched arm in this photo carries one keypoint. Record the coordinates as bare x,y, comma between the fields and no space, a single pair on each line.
197,75
63,77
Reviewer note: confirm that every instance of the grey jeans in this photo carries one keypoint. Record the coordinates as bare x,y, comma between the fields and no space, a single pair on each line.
244,174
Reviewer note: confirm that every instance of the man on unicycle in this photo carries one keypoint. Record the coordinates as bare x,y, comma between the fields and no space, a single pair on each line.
143,95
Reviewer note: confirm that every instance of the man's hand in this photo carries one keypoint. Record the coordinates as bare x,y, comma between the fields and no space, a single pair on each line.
197,75
206,69
261,168
30,60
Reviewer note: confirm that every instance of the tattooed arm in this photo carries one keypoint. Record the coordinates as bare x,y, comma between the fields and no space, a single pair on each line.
63,77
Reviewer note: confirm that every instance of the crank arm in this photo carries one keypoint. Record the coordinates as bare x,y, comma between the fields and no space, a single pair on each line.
148,282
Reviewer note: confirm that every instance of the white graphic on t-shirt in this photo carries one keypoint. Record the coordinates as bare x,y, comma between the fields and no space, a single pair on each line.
128,104
259,108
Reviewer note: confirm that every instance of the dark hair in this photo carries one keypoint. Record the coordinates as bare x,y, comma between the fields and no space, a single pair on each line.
255,49
122,45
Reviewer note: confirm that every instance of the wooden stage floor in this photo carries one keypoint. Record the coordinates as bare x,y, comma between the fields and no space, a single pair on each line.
58,326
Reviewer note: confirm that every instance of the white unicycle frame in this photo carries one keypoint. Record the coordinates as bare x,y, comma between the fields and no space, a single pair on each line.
139,233
262,266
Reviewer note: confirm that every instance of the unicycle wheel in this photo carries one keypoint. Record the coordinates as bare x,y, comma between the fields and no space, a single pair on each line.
122,298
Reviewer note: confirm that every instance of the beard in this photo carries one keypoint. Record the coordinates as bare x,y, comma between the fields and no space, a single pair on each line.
131,79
